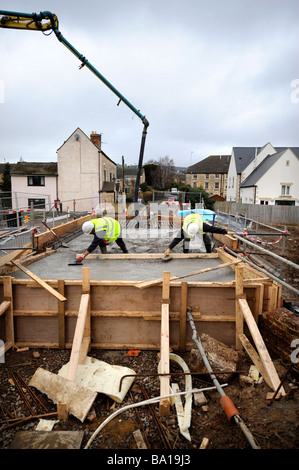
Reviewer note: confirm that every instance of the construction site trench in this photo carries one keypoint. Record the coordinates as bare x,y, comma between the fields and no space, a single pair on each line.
274,425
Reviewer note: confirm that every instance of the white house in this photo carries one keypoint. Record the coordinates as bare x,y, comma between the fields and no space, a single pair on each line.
244,161
33,182
82,169
274,181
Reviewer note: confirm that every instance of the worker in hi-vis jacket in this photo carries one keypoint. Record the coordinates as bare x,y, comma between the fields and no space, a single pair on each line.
194,229
105,231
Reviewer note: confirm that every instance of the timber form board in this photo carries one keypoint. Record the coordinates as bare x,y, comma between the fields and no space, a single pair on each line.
123,316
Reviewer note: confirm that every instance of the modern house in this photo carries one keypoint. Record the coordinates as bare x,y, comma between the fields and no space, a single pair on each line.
33,182
210,174
245,160
274,181
83,168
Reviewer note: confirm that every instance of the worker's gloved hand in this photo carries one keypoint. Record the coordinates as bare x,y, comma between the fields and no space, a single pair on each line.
104,242
79,260
166,254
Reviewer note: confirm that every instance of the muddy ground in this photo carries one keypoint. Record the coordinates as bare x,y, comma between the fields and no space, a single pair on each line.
274,427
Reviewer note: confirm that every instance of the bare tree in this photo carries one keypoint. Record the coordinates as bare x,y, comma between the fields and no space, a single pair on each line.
164,173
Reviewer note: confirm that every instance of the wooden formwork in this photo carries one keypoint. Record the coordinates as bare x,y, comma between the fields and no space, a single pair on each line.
125,316
86,313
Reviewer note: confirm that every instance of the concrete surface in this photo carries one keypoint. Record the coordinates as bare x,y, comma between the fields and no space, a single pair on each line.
56,266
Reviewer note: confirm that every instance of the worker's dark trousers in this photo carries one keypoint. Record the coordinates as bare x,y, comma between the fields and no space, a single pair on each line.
121,244
207,242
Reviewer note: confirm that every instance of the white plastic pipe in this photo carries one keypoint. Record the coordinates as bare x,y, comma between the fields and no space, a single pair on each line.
142,403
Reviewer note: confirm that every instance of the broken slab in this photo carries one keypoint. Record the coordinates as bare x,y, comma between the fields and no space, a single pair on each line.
101,377
47,440
221,357
79,399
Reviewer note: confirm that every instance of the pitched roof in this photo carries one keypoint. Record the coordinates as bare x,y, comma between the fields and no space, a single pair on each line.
211,164
261,169
97,146
244,155
131,171
34,168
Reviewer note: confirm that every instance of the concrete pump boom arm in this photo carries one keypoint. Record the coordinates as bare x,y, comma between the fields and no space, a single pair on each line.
45,21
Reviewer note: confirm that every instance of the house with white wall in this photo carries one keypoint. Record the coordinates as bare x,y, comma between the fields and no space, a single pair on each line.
244,160
33,183
83,167
274,181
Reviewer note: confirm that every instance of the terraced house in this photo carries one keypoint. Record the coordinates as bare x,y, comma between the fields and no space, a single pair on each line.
33,182
211,174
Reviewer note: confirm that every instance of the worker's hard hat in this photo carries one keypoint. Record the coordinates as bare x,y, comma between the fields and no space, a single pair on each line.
87,227
192,229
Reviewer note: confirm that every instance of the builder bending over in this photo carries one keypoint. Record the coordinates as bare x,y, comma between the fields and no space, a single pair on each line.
194,235
105,231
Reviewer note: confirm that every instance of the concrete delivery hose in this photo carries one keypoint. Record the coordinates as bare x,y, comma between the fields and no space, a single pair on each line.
226,403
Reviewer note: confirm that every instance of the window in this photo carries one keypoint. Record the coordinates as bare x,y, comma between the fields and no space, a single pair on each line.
35,180
217,185
207,176
206,185
264,202
285,190
194,177
37,203
217,176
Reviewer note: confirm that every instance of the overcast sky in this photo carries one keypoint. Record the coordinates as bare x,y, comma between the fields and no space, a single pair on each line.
208,75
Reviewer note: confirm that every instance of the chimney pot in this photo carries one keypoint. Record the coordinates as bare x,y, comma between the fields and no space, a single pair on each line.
96,138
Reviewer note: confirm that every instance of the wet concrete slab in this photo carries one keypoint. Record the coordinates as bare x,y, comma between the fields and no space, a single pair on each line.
57,266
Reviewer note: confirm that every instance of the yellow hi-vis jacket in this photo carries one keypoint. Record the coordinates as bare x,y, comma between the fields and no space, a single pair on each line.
110,226
192,218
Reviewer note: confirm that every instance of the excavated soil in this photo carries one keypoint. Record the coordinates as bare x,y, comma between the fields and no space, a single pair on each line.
274,426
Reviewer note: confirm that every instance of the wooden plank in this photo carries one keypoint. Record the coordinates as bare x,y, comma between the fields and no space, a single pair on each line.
61,316
78,337
144,284
9,320
149,255
259,295
139,439
260,345
41,282
164,351
249,271
183,316
4,306
204,443
239,316
11,256
85,346
255,358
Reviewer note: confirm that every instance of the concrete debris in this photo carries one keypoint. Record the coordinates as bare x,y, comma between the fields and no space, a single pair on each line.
221,357
246,381
47,440
199,399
